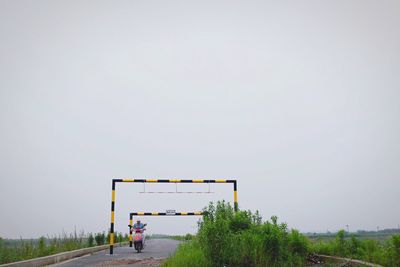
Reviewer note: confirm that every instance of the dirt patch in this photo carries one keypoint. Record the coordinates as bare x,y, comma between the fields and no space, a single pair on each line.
150,262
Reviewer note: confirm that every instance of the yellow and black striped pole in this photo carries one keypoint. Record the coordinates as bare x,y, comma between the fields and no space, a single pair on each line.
235,196
130,230
198,213
112,217
114,181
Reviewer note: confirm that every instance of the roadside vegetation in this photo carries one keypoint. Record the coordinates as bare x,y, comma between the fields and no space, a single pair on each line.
18,250
386,253
226,238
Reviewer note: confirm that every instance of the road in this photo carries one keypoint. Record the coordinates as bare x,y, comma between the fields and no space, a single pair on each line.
152,254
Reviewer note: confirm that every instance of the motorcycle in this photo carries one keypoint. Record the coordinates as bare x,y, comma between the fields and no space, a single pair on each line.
138,239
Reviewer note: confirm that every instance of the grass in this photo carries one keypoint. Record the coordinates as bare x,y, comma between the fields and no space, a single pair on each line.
188,254
386,252
17,250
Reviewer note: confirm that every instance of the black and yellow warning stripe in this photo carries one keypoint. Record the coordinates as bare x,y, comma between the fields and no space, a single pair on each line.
112,218
128,180
165,214
235,196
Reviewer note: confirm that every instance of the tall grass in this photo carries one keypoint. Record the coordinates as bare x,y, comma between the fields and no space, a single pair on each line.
228,238
188,254
386,253
17,250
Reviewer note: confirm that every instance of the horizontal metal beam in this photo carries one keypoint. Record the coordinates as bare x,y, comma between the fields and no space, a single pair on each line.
126,180
166,214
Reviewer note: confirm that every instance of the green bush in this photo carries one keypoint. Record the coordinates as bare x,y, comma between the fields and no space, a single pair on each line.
229,238
120,238
100,238
90,240
394,251
188,237
42,245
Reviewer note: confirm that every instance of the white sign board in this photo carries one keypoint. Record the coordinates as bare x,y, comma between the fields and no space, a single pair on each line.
170,212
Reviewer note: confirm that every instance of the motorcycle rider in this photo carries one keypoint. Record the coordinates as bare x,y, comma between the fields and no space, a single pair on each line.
139,225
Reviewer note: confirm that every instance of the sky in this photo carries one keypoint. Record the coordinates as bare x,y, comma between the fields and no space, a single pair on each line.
297,100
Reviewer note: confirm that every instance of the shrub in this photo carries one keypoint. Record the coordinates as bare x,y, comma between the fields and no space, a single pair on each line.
188,237
42,245
90,240
298,244
100,238
229,238
394,251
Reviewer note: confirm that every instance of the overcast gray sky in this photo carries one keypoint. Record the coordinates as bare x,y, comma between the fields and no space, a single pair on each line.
297,100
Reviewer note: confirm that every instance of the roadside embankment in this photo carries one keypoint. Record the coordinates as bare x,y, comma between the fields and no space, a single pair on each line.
56,258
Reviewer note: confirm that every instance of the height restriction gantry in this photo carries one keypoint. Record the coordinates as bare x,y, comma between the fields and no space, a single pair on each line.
115,181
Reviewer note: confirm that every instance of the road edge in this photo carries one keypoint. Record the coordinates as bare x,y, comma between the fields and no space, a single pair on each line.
59,257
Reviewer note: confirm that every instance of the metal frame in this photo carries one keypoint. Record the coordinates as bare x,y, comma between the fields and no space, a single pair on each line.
115,181
199,213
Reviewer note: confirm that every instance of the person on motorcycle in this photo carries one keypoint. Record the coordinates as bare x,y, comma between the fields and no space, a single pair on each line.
140,226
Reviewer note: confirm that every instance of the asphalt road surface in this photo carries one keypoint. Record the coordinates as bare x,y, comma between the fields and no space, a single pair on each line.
152,254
